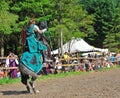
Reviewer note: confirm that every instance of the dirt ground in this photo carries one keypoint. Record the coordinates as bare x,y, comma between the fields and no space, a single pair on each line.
93,85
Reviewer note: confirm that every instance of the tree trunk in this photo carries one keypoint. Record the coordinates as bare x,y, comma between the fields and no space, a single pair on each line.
2,51
2,46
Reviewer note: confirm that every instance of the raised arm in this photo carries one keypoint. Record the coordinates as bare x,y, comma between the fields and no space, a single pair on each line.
36,29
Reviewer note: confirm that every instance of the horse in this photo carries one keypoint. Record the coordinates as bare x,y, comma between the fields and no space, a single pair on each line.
31,62
30,65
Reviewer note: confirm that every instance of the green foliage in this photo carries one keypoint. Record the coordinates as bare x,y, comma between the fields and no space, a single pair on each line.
75,21
111,43
31,9
7,22
7,19
113,38
93,20
103,11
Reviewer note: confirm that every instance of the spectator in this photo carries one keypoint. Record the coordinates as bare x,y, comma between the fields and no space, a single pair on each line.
86,64
56,59
44,71
5,71
89,57
82,66
118,58
112,58
1,72
65,57
12,61
58,68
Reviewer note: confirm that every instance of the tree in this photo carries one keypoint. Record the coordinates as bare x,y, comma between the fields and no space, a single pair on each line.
27,9
72,19
103,11
7,22
113,37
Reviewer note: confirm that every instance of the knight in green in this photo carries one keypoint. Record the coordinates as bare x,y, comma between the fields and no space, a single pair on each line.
30,62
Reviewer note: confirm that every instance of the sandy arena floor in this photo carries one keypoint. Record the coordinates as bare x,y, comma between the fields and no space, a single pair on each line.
94,85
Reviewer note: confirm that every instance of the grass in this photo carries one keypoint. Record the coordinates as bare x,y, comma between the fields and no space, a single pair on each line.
61,75
9,80
50,76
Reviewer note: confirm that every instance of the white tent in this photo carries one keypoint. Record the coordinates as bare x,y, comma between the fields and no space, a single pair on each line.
77,45
66,47
55,51
81,46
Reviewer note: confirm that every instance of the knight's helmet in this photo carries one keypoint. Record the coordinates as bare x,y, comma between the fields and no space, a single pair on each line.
42,25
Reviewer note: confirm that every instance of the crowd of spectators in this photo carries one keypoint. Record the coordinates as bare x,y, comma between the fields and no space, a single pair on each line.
68,62
92,62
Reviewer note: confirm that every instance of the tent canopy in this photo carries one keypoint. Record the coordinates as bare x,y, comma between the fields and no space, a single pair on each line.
77,45
81,46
